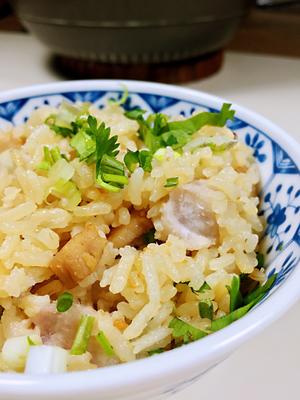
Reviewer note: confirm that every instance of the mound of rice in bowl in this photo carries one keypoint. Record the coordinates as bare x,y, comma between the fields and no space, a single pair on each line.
122,235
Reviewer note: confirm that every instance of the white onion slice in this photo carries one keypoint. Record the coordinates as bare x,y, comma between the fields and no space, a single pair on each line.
46,360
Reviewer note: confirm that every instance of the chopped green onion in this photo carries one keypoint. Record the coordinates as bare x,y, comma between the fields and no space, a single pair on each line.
50,158
63,122
55,154
84,144
43,165
47,155
68,192
62,169
30,341
123,98
104,343
83,334
64,302
111,166
15,349
206,309
123,180
171,182
185,331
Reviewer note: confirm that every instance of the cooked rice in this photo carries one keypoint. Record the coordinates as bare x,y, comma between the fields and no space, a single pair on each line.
140,289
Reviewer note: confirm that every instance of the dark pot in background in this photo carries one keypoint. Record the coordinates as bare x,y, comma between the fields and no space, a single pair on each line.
132,31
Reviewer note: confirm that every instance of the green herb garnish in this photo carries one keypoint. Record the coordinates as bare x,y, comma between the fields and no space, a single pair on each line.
64,302
250,301
50,158
149,236
171,182
30,341
260,260
260,290
136,113
123,98
196,122
104,343
67,191
220,323
183,330
206,309
83,334
155,351
235,295
205,286
143,158
84,144
157,131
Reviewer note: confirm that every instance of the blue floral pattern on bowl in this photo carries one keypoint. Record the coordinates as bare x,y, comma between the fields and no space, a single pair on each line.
280,194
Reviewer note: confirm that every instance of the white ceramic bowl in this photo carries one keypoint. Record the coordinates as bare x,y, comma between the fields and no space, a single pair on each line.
278,157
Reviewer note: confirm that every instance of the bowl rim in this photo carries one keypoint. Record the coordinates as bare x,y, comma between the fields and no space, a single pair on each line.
147,372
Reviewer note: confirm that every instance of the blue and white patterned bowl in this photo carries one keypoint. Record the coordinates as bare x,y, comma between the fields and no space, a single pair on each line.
278,157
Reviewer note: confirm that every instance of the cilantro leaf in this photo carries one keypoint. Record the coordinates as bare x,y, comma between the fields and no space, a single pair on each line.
59,130
186,331
110,174
196,122
206,309
131,160
220,323
250,301
143,158
156,351
136,113
234,291
176,138
156,131
247,285
150,130
205,286
260,260
261,290
83,335
149,236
